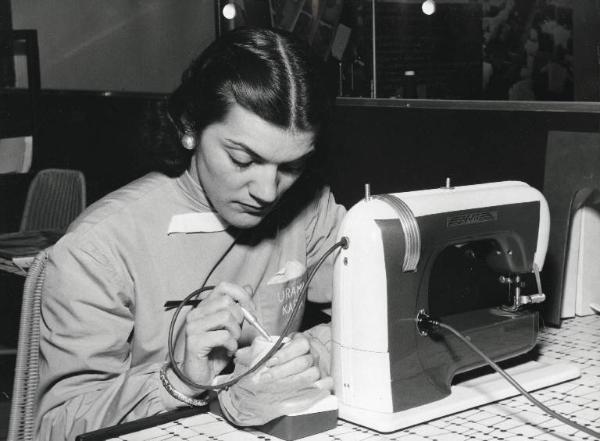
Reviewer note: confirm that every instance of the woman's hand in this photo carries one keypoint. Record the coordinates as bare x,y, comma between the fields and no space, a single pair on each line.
212,331
289,382
293,367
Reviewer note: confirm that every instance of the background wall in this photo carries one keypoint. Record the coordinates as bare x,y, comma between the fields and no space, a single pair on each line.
133,45
586,49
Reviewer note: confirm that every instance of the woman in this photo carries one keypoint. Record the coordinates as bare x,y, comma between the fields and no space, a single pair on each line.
241,130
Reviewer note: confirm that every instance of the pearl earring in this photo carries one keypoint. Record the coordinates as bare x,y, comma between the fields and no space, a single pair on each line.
188,142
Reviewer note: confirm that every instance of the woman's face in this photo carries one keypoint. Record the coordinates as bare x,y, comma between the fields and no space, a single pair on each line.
245,164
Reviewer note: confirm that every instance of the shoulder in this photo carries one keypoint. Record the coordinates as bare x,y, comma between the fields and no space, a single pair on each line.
120,221
123,203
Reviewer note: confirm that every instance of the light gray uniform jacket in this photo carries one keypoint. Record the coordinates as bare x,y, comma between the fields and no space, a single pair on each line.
104,327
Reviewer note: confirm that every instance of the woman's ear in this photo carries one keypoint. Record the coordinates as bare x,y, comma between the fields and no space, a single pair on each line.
188,141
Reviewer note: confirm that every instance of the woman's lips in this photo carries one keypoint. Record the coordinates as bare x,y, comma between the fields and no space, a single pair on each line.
253,209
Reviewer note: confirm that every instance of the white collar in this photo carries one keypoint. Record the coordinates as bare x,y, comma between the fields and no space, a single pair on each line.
207,222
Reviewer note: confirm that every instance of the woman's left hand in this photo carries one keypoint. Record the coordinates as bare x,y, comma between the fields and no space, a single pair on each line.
288,383
295,365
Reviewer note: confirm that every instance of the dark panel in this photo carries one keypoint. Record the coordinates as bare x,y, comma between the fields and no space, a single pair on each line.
7,65
101,135
13,190
18,106
400,149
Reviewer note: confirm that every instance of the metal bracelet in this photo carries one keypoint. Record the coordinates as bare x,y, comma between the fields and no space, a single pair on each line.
195,402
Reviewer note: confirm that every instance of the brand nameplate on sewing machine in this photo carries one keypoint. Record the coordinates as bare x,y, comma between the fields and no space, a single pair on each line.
478,217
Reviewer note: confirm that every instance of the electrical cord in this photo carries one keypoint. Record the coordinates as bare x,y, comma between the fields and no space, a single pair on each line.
426,325
190,299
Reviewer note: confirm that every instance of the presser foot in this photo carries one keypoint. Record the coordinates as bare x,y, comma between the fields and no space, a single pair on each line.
518,300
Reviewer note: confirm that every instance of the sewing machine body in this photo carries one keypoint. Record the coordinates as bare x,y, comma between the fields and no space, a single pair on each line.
382,365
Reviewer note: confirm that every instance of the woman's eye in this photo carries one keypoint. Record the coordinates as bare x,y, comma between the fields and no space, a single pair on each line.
241,163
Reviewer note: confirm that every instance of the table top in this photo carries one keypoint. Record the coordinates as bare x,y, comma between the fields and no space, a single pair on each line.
577,342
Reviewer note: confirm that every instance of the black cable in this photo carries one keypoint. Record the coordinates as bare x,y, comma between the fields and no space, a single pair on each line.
300,301
432,324
171,350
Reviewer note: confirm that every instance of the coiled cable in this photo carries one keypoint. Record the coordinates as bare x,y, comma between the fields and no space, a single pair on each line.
190,298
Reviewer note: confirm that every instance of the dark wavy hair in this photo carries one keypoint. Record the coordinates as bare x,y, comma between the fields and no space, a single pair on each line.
266,71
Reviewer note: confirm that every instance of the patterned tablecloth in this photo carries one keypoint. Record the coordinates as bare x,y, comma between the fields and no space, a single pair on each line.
577,341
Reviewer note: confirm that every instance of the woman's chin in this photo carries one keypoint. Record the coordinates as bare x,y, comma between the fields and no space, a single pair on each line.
244,220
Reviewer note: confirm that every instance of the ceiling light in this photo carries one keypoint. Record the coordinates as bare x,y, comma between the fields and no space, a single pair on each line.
229,11
428,7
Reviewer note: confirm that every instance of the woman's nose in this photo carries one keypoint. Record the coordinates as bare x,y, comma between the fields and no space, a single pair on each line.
264,186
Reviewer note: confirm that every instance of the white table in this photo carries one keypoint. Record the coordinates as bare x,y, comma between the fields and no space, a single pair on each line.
577,341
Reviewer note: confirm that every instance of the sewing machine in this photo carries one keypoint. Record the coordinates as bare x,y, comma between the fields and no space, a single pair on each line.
469,256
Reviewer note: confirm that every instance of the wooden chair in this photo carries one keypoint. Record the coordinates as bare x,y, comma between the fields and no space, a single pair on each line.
24,398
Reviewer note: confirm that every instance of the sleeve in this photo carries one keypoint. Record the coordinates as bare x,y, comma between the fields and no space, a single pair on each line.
86,326
321,231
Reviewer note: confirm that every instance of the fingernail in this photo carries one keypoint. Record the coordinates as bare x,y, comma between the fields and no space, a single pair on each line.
267,376
272,361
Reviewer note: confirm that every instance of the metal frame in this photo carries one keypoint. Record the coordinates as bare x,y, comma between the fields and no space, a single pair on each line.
518,106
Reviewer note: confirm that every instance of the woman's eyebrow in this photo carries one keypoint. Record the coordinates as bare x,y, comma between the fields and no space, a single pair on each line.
245,148
256,157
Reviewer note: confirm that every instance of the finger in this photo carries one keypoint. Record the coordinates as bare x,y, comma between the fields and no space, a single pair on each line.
236,292
214,303
199,346
296,347
222,319
244,356
325,383
290,368
240,295
300,403
304,379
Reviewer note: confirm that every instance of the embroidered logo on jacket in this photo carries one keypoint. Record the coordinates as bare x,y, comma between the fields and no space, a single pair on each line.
291,281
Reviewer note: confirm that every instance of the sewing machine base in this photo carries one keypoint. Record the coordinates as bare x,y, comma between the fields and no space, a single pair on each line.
486,389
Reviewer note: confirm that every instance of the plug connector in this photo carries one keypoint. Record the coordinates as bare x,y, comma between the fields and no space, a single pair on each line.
345,242
425,324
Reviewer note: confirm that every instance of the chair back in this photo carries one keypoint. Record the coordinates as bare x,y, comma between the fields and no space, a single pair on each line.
54,199
24,397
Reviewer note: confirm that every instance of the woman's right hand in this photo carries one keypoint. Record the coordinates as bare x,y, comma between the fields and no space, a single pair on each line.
212,330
